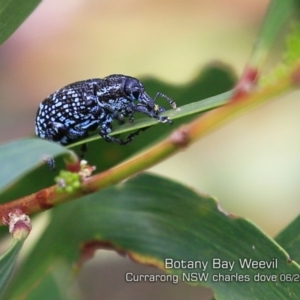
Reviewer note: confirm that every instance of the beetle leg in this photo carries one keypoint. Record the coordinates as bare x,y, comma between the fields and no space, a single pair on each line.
105,130
74,134
87,125
83,150
152,113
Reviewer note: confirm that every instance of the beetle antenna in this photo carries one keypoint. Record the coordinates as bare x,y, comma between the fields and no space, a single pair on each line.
171,101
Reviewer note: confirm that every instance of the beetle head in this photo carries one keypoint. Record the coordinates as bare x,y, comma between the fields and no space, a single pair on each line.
135,91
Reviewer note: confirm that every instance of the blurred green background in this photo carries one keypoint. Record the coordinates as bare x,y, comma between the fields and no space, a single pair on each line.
251,165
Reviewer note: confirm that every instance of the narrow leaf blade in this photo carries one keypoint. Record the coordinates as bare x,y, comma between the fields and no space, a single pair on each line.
20,156
12,15
7,262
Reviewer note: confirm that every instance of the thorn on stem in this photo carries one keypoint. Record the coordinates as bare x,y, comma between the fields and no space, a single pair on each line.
246,83
180,137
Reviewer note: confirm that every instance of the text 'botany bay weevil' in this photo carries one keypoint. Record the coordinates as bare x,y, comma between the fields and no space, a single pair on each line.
70,113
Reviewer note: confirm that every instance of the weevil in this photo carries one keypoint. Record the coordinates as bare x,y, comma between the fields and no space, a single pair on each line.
70,113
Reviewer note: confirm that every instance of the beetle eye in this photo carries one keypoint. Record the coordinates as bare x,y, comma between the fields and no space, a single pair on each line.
136,94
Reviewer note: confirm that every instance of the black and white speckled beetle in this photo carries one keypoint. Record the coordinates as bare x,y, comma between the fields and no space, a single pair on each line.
71,112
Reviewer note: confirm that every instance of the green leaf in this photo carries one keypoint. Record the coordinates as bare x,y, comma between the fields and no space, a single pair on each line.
53,285
21,156
278,14
7,262
289,238
12,15
150,219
